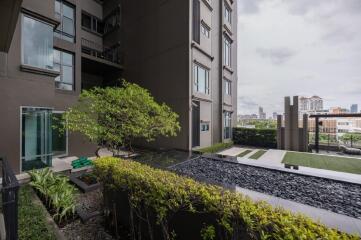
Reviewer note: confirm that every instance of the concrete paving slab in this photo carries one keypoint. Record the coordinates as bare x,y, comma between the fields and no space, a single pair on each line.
233,151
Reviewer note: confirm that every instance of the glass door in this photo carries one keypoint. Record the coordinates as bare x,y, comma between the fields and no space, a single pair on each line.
36,138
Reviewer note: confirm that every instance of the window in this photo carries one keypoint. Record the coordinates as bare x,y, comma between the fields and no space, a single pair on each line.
201,79
66,15
196,20
64,63
228,87
205,126
36,43
227,51
91,23
227,13
227,125
205,30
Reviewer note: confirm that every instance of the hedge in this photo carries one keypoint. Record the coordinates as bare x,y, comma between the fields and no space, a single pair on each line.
157,204
255,137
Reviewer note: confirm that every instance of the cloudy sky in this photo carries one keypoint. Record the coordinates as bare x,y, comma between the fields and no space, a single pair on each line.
298,47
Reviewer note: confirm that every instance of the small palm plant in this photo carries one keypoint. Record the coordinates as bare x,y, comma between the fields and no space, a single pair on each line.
56,191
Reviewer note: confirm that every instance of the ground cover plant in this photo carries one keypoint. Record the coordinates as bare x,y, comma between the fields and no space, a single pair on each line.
56,192
157,198
32,218
334,163
258,154
244,153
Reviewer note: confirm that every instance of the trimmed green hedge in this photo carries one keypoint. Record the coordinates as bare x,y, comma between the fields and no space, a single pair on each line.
255,137
216,147
159,198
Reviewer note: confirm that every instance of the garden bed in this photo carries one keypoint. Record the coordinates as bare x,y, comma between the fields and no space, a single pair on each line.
86,182
339,197
158,204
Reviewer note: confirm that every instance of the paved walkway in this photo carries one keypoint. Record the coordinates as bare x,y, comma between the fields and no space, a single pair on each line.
330,219
272,159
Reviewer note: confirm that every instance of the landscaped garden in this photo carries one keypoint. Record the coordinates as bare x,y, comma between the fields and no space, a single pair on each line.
334,163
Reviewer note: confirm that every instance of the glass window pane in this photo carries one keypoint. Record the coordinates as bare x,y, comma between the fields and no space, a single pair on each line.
202,80
68,11
59,138
56,67
68,26
56,56
86,21
57,7
64,86
37,43
67,75
67,59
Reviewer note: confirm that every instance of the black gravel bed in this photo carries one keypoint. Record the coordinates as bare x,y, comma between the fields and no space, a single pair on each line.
94,228
335,196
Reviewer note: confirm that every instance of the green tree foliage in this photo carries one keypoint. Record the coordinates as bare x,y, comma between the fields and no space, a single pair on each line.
114,117
351,137
259,123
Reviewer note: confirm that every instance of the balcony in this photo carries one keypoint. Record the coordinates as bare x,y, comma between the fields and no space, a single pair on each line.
108,55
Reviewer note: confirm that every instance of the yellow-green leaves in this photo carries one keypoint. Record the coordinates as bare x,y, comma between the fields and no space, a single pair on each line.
167,193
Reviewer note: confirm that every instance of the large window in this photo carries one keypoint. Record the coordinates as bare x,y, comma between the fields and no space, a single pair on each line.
227,125
65,13
201,79
37,43
227,51
227,13
64,63
228,87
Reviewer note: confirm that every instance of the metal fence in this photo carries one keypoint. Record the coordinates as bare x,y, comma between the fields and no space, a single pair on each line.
9,192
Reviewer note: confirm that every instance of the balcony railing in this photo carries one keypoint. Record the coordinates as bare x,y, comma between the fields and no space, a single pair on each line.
111,54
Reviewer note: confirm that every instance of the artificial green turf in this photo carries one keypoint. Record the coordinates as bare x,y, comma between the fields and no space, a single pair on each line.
244,153
335,163
258,154
32,218
216,147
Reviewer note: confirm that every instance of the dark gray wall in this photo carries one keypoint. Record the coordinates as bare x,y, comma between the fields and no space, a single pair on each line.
156,53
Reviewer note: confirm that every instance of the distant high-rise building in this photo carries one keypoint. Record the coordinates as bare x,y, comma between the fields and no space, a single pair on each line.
354,108
261,113
310,104
274,115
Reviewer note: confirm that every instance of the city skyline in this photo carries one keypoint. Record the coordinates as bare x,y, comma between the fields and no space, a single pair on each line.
317,51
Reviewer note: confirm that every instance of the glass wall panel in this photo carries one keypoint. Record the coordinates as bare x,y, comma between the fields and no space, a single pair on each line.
37,43
36,138
59,138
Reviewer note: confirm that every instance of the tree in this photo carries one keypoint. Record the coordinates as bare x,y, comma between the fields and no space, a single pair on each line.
350,138
114,117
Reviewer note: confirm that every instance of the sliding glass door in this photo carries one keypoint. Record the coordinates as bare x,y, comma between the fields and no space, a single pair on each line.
36,138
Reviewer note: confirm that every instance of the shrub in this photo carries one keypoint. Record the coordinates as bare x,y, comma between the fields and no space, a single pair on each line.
255,137
157,199
216,147
56,192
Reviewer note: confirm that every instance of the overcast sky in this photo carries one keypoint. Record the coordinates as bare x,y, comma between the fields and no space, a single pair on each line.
298,47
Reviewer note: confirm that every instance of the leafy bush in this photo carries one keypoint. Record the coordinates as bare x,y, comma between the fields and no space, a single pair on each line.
32,218
255,137
56,192
216,147
221,214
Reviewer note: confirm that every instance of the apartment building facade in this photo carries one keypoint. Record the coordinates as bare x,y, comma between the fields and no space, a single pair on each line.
184,52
